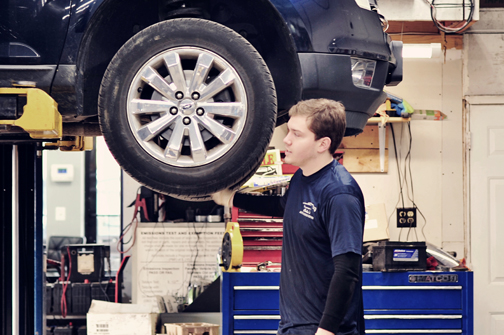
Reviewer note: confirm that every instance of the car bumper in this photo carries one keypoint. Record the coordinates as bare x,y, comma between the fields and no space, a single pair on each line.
329,76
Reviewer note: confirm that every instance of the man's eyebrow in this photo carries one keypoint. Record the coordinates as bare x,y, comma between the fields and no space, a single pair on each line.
293,129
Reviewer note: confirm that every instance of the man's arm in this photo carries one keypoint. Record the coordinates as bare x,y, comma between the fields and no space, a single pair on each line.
260,204
343,284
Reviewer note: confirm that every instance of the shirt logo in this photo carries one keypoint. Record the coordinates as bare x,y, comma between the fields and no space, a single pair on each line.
308,207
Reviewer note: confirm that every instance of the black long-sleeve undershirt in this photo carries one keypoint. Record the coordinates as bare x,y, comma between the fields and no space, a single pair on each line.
343,283
260,204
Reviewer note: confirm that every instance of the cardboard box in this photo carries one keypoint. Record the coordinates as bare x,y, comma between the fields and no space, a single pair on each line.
375,227
191,328
106,318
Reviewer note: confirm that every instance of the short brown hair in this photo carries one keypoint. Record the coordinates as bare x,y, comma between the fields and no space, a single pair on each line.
326,118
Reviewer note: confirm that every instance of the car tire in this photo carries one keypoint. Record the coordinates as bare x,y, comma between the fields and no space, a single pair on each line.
188,107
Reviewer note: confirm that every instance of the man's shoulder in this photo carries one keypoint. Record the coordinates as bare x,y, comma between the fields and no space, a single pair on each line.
340,181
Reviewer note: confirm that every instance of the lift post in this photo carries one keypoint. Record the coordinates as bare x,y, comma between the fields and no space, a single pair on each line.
21,240
21,245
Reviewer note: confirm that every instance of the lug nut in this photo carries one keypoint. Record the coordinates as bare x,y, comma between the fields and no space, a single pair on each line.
195,96
179,95
200,111
139,90
186,120
173,110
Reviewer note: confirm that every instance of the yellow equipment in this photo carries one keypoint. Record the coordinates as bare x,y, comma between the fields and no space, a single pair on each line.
232,248
42,121
40,118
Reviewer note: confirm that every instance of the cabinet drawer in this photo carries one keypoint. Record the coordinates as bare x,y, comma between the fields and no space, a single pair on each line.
255,332
414,332
408,297
256,322
413,321
256,297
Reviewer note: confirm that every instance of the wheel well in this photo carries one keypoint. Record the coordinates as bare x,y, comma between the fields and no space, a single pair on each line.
115,21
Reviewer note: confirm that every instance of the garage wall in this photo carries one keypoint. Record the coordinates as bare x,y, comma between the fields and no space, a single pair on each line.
64,201
436,155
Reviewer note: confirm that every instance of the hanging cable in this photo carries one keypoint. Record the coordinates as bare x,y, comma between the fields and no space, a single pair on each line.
139,203
123,262
64,286
412,190
462,25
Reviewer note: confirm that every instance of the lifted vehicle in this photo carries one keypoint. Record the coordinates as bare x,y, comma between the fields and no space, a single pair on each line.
187,93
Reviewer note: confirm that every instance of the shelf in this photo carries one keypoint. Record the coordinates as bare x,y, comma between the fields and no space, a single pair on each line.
68,317
395,119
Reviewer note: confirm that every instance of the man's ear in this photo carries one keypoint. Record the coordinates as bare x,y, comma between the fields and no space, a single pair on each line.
324,144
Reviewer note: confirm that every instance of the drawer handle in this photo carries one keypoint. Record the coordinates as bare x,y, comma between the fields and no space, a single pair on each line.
251,288
413,331
412,317
412,287
255,332
256,317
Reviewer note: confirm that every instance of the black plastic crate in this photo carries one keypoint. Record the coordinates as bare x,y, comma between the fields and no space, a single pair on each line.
82,330
48,299
98,291
399,256
67,330
81,298
57,292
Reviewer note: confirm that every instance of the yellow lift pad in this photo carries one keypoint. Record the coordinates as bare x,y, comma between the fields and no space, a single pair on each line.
40,118
232,248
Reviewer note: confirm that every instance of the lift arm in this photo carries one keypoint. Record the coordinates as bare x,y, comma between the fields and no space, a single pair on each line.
40,118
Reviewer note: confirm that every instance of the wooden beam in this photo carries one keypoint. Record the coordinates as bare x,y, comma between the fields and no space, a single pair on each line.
447,41
418,27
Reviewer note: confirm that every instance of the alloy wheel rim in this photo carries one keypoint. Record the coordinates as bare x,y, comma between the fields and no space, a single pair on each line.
187,106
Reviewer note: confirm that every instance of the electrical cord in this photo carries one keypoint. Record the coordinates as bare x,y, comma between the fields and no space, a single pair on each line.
133,223
64,286
403,182
197,253
124,260
412,192
451,30
100,277
401,196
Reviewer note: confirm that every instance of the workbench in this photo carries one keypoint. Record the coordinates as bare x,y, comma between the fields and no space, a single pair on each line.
394,302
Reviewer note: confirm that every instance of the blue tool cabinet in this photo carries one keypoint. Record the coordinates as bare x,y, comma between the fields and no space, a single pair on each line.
402,303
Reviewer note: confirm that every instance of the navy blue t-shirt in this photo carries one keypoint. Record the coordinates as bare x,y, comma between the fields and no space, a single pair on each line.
323,218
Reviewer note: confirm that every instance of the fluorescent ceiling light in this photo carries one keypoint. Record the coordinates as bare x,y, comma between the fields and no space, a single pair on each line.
432,50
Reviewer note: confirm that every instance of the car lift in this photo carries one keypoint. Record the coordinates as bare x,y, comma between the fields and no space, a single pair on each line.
25,111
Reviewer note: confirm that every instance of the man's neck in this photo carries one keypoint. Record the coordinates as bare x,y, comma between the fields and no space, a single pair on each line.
316,165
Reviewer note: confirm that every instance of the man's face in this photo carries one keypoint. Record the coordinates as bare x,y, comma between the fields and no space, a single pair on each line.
300,143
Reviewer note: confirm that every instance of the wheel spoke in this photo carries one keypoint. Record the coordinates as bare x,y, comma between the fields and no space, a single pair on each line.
201,70
234,110
156,127
154,79
224,134
174,147
224,80
145,107
198,149
172,61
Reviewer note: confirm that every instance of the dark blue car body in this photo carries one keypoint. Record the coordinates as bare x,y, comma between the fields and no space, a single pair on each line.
65,46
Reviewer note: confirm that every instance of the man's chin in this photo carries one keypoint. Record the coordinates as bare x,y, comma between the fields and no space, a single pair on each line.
288,160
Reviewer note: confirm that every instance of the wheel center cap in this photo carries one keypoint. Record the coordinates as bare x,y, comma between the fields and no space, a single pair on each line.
187,106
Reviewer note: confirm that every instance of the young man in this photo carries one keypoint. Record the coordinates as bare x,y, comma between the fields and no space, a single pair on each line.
323,220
